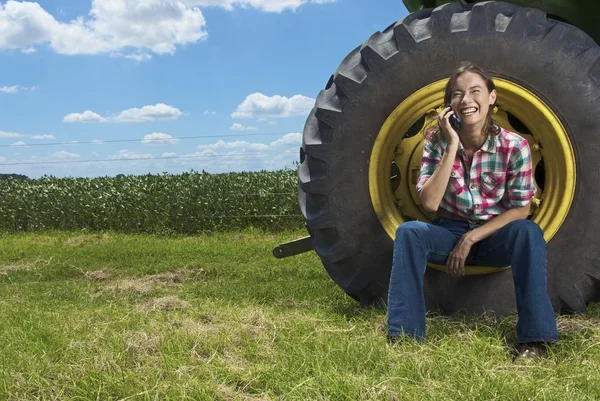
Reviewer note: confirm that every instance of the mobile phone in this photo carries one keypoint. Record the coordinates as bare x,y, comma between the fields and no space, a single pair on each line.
454,120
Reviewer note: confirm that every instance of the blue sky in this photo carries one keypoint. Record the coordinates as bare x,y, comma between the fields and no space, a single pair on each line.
129,77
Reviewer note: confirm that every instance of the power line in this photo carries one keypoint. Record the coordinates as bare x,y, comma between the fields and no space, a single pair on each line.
136,159
250,194
250,216
100,142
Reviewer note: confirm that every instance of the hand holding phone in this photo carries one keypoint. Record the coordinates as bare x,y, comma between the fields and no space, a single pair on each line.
454,120
449,124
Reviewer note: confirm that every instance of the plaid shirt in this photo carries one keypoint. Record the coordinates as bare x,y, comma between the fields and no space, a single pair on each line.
498,178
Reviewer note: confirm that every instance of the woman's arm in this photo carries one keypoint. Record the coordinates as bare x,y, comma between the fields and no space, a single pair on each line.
433,190
456,259
497,223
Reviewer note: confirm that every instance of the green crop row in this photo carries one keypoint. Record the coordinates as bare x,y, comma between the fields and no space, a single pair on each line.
186,203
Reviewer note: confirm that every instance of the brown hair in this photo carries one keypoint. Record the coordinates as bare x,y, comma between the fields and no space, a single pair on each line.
433,133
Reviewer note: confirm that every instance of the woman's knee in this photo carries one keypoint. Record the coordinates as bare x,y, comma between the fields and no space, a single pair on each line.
411,229
526,227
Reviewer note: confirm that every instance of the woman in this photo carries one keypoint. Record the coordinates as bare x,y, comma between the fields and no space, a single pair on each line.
478,179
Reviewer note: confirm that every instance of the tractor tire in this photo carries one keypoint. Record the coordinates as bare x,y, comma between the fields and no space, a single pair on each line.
554,61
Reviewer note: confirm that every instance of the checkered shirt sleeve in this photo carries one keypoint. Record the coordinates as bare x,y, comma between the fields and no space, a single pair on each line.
429,162
520,184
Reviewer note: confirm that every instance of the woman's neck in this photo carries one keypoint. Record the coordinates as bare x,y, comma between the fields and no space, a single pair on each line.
472,137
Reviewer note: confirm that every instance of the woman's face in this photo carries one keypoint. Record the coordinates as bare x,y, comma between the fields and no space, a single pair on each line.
470,98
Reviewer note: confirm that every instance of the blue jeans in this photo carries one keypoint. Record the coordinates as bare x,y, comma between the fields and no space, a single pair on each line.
519,244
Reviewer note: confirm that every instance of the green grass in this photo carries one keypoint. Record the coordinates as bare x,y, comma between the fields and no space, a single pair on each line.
216,317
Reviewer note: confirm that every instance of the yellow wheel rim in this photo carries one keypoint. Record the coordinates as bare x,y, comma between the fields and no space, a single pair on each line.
396,156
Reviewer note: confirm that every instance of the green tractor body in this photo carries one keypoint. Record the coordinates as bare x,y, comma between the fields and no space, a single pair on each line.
581,13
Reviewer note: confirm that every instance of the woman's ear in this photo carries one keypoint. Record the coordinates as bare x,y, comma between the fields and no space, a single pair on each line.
493,97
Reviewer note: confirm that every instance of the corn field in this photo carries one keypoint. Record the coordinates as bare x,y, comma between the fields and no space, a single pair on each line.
187,203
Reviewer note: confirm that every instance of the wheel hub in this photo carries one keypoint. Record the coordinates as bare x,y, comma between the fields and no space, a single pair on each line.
400,145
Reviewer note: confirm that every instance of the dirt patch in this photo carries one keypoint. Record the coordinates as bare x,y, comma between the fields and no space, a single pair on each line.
16,267
142,343
229,393
254,326
205,318
166,304
96,239
197,327
96,275
174,277
42,241
249,237
575,324
76,241
24,266
131,286
171,277
145,284
235,362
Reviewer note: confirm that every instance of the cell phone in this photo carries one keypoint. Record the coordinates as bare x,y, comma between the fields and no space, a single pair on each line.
454,120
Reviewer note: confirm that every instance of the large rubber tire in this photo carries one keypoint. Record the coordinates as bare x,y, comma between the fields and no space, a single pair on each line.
557,62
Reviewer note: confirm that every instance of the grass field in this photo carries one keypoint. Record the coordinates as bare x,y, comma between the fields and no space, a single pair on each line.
139,317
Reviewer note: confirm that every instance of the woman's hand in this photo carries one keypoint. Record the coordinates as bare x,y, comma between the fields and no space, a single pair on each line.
455,264
444,122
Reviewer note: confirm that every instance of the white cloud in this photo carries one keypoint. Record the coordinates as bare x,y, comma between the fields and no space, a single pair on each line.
16,88
43,137
168,154
63,154
9,89
125,154
94,154
240,127
224,156
260,106
159,111
123,28
87,116
157,26
139,57
209,113
2,159
9,134
158,138
265,120
243,146
19,143
97,142
275,6
291,139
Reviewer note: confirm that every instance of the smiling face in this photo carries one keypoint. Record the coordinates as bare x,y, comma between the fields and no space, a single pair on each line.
470,99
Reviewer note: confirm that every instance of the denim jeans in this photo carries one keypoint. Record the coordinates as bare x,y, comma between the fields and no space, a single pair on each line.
519,244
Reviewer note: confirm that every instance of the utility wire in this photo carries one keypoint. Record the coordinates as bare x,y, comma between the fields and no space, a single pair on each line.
249,194
136,159
100,142
250,216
